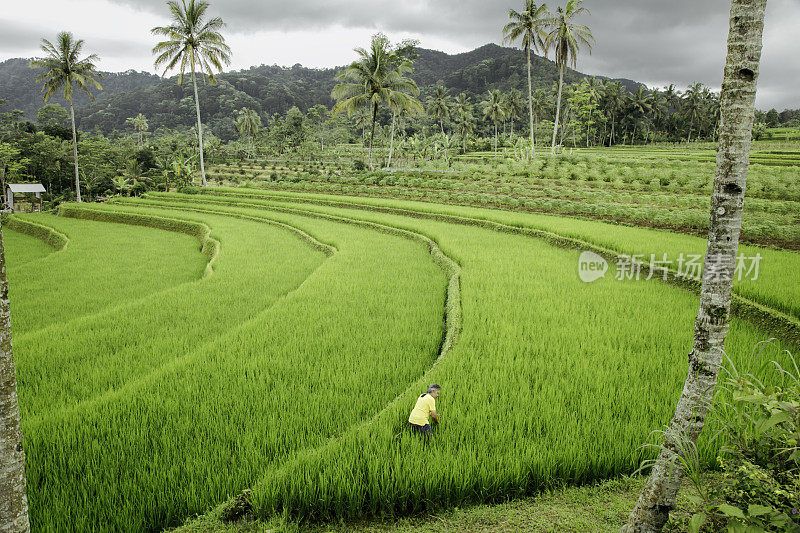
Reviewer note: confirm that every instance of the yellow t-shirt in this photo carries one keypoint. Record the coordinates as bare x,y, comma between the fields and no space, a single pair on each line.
421,411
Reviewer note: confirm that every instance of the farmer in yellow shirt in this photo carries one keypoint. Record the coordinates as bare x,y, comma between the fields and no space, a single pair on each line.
426,405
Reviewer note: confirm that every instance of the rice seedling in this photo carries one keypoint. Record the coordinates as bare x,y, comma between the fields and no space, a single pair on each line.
157,409
553,380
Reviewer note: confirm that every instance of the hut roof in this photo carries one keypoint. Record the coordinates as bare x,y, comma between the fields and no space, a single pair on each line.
25,187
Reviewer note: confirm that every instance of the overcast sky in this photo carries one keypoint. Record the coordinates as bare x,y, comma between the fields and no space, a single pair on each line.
652,41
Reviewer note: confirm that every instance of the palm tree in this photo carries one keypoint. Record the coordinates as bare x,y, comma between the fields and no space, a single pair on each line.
14,510
465,120
711,325
402,105
63,68
140,126
641,104
248,123
493,110
439,105
529,27
658,108
512,102
377,77
566,37
194,41
693,106
539,108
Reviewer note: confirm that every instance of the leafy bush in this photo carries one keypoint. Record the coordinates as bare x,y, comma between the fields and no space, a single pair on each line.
189,189
760,459
359,165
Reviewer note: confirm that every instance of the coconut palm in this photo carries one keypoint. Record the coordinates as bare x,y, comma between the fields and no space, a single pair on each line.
248,123
63,68
140,125
660,493
528,26
566,37
377,77
512,104
540,106
641,103
439,105
693,106
493,110
197,43
465,120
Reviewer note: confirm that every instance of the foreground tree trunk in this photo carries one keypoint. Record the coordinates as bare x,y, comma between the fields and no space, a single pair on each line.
13,502
711,326
75,153
199,127
558,107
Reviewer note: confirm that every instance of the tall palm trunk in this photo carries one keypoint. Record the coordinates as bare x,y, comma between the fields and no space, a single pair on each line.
199,127
495,140
75,152
13,501
444,138
558,107
711,326
530,102
391,141
691,120
372,135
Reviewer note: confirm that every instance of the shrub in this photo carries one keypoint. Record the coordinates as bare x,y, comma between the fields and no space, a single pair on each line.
359,165
189,189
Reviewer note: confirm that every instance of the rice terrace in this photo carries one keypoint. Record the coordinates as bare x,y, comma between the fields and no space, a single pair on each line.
479,291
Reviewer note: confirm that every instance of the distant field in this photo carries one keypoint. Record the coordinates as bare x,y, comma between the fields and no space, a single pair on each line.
662,187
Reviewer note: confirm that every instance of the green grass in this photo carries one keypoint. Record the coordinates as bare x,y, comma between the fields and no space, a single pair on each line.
775,287
552,381
102,264
141,415
22,249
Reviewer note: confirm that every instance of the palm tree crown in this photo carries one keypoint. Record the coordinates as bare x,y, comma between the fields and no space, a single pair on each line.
566,38
195,42
191,41
528,27
63,68
377,77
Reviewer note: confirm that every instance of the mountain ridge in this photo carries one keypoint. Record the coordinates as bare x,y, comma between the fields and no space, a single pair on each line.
269,89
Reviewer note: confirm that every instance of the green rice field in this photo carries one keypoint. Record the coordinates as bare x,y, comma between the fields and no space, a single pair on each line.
183,348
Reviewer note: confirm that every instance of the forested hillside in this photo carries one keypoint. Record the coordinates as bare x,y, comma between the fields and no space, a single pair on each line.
268,89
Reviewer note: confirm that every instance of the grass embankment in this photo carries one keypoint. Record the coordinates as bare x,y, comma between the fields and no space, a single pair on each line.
103,265
552,381
138,417
774,287
21,248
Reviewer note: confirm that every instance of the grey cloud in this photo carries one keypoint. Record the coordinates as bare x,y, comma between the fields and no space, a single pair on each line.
678,41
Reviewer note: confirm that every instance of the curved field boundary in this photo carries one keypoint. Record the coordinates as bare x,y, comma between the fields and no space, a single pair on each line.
156,222
452,311
49,235
782,324
209,246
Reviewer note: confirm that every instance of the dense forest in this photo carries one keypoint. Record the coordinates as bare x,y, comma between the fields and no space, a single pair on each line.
269,89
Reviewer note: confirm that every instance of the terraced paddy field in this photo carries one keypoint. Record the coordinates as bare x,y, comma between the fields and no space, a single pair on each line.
660,187
288,360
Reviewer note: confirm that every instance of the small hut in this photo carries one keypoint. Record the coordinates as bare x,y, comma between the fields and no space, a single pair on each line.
22,195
